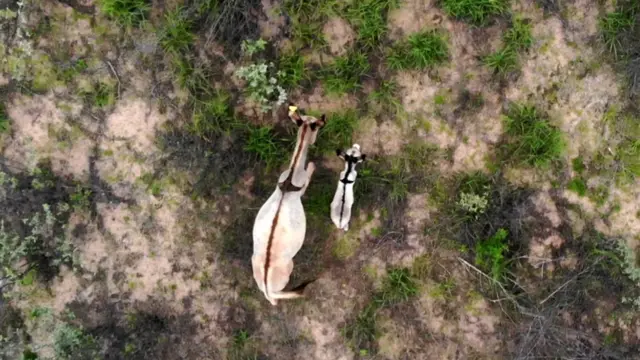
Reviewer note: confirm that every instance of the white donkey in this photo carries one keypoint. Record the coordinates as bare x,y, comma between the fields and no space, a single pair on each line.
343,199
280,226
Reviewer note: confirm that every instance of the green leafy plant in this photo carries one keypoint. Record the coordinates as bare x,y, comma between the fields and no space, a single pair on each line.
345,73
419,51
126,12
262,79
71,342
81,198
532,140
477,12
490,254
293,69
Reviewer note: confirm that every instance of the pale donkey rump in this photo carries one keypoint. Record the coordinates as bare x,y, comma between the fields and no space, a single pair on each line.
343,199
280,226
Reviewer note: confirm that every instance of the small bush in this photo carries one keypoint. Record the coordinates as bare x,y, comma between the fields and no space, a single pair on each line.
477,12
420,51
127,13
263,79
345,73
532,140
490,254
71,343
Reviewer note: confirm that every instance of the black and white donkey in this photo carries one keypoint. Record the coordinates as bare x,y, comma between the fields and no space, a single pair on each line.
343,199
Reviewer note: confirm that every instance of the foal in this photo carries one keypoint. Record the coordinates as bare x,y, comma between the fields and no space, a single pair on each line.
343,199
280,226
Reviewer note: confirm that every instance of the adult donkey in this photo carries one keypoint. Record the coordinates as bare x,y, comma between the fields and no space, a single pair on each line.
280,226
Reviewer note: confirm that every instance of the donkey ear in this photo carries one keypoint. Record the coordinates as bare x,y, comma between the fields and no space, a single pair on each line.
340,153
363,157
322,121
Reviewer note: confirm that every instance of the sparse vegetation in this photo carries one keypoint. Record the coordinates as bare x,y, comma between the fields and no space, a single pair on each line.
175,36
531,139
345,73
477,12
5,122
126,12
518,38
419,51
369,19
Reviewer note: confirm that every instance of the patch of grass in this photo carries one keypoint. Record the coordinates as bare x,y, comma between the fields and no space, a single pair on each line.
5,122
531,139
519,36
419,51
308,35
361,332
577,164
385,94
338,132
241,347
294,69
345,73
490,254
176,36
578,186
369,19
265,144
67,73
398,286
127,13
81,199
477,12
613,25
100,95
502,61
212,116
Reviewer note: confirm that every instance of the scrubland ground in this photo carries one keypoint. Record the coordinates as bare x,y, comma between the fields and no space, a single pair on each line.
497,215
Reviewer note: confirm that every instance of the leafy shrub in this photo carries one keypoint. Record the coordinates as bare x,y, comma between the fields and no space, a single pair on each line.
419,51
71,343
490,254
474,204
263,79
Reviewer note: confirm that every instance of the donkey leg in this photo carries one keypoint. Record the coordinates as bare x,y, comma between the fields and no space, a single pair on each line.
311,167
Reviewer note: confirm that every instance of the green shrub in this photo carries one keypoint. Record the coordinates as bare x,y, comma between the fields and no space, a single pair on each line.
578,185
532,140
71,343
419,51
477,12
126,12
490,254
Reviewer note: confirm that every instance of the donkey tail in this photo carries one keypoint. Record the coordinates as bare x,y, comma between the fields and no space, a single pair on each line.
294,293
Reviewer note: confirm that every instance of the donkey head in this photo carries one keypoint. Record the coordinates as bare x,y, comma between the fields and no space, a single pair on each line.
352,156
308,125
